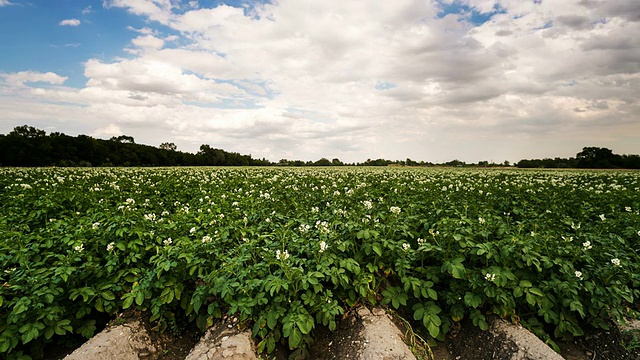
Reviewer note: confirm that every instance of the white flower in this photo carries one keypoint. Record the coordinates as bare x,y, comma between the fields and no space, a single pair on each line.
130,201
579,275
95,225
165,213
587,245
336,193
602,217
282,255
490,277
615,262
110,246
167,242
367,204
567,239
322,226
235,203
323,247
315,209
79,248
420,241
304,228
627,208
481,220
192,230
575,227
25,186
395,210
150,217
406,246
206,239
267,220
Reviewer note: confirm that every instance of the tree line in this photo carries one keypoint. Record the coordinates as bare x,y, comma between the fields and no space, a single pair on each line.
28,146
588,158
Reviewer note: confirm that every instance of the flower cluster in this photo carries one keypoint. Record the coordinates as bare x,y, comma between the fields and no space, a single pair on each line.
615,262
323,247
79,248
395,210
322,226
367,204
490,277
167,242
579,275
587,245
110,246
206,239
304,228
406,246
284,255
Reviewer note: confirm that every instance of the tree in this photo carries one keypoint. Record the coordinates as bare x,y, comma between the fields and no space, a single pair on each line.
322,162
596,157
123,139
168,146
336,162
28,132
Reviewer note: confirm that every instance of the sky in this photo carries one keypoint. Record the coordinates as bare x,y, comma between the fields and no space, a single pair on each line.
431,80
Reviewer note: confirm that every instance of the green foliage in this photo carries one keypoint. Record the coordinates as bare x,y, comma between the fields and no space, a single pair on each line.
289,250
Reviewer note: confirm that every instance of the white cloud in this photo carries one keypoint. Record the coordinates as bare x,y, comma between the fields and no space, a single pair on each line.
109,130
22,77
148,41
5,3
302,79
69,22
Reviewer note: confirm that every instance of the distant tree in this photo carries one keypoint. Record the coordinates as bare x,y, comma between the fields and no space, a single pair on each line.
168,146
596,157
336,162
506,163
322,162
123,139
28,132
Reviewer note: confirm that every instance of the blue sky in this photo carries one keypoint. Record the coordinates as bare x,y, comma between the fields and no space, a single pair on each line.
429,80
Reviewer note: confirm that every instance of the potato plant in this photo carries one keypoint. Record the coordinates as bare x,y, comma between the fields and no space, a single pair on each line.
287,250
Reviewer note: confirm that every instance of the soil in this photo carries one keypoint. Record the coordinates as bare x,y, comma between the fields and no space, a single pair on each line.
363,334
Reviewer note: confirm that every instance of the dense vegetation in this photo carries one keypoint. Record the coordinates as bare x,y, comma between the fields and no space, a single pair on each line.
287,250
588,158
28,146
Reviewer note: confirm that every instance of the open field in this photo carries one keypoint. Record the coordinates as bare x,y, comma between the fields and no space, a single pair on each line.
287,250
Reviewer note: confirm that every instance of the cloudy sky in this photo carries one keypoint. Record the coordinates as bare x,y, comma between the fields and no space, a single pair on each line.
431,80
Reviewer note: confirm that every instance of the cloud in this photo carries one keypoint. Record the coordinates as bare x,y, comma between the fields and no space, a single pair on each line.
148,41
22,77
5,3
343,79
109,130
69,22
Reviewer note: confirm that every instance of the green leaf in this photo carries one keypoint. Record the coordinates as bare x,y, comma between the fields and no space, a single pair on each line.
536,291
108,295
295,338
305,324
139,298
167,295
377,249
127,302
525,283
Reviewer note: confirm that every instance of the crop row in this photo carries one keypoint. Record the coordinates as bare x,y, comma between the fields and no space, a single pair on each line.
289,250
